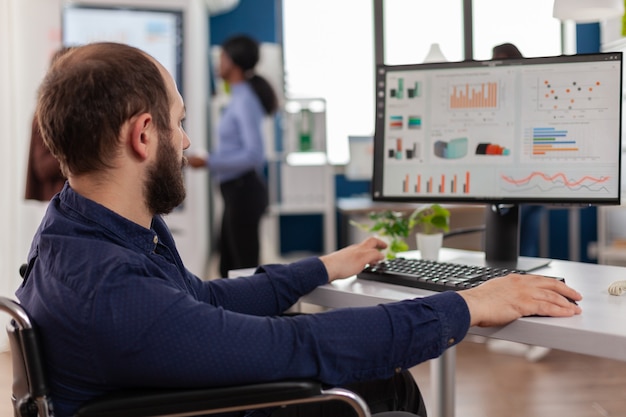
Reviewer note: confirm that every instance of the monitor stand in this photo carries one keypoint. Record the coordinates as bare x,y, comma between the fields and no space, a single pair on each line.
522,263
502,225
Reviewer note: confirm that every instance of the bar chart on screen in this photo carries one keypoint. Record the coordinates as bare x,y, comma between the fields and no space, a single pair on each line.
473,96
444,183
561,142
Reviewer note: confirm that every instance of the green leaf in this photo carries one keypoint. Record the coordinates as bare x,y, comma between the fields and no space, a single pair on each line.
398,245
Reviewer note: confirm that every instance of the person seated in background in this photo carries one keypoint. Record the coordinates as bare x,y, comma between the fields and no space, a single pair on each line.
506,51
116,308
43,173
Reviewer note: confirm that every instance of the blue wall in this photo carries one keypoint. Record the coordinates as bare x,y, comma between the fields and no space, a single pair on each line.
261,19
587,38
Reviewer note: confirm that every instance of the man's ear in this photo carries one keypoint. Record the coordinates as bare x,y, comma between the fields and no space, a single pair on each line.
142,134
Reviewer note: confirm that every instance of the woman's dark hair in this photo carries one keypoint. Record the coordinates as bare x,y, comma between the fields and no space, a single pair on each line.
506,50
244,52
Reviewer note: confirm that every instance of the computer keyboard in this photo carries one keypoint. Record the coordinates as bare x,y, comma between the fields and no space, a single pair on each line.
431,275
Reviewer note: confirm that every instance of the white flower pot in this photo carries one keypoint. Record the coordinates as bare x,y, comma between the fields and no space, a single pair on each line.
387,240
429,245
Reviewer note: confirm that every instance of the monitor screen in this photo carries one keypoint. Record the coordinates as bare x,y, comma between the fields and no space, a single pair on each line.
503,132
157,32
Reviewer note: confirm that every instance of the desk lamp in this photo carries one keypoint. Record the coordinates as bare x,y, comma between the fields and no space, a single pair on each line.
587,11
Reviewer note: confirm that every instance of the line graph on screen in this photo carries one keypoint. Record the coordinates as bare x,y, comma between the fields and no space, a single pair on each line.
556,182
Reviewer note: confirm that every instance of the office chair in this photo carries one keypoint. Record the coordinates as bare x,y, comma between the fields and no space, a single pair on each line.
30,393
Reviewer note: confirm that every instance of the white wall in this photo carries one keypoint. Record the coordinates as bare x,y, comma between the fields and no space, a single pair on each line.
30,31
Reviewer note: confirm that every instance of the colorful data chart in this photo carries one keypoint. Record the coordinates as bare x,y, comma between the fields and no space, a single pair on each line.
398,90
436,184
556,181
414,122
396,122
454,149
399,151
415,91
474,96
491,149
573,95
548,140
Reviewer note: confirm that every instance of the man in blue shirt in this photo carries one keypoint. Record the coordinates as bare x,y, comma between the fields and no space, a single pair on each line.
115,306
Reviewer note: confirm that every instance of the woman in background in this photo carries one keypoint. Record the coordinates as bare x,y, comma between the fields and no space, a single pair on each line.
239,158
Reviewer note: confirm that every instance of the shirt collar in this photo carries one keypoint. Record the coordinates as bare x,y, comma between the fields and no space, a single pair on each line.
144,239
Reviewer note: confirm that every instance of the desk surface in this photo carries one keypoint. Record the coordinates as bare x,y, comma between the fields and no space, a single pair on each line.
600,330
365,205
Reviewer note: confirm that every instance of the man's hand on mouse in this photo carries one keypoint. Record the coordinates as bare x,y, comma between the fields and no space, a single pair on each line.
502,300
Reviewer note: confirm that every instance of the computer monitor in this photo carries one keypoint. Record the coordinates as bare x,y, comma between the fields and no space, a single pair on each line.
159,32
503,133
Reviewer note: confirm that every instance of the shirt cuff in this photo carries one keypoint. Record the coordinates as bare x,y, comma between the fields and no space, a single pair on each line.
454,316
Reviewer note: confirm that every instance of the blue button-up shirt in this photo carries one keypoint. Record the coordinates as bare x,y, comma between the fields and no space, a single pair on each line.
116,308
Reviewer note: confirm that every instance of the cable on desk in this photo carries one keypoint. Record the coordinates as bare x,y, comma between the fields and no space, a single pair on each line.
464,231
617,288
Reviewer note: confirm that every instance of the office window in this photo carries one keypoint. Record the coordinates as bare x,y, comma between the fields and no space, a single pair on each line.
412,26
329,53
528,24
329,48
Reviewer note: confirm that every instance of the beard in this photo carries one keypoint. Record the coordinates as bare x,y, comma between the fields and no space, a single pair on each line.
165,187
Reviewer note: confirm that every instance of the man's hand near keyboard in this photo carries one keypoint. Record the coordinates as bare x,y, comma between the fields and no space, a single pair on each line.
496,302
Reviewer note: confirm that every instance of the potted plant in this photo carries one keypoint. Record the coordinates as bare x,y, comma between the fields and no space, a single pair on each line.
432,222
394,226
432,219
391,226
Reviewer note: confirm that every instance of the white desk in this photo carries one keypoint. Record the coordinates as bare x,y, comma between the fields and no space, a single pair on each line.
599,331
